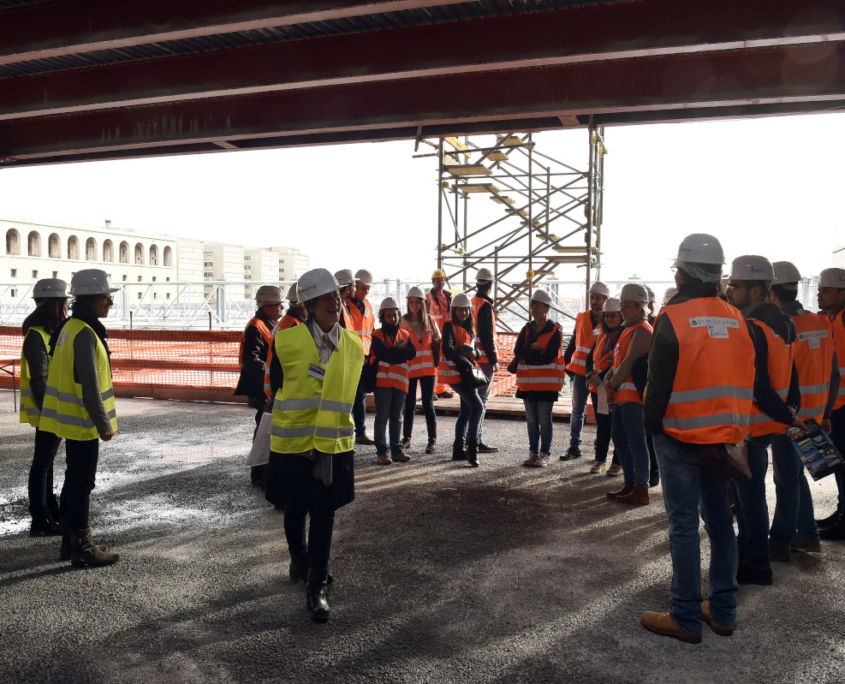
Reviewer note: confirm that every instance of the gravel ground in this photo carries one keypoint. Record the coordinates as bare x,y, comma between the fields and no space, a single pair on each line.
443,573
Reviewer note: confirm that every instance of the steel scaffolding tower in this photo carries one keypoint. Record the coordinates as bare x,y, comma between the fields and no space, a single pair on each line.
551,215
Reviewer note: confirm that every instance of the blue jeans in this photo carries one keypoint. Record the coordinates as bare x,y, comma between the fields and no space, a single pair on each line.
794,508
686,483
752,511
466,427
580,394
538,415
629,440
390,405
359,409
484,394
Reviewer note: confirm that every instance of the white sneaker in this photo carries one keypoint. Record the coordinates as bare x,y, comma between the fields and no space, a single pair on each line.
543,460
598,467
531,460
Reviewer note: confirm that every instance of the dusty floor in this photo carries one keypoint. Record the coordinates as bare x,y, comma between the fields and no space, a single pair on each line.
442,574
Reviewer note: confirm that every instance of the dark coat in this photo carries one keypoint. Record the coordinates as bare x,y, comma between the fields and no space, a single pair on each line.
290,478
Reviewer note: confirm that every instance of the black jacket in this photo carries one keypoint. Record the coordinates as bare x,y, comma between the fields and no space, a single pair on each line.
448,347
256,348
486,330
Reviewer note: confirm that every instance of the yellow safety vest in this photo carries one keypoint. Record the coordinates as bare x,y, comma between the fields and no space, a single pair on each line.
64,413
309,412
30,413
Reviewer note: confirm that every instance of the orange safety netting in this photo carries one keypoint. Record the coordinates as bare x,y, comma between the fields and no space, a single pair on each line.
194,360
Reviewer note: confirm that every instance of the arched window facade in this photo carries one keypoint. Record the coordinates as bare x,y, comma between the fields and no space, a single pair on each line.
13,241
139,253
108,250
153,255
124,252
73,247
54,247
33,244
90,249
168,256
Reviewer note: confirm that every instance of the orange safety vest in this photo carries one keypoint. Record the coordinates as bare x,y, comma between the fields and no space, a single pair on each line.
838,326
780,356
422,365
345,318
478,302
602,363
714,380
263,330
438,314
393,375
363,324
287,321
813,351
447,372
585,338
627,391
543,378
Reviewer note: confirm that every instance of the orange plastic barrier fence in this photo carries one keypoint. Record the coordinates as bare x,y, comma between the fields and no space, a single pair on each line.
191,364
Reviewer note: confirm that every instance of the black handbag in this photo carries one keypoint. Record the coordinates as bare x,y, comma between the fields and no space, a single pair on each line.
471,376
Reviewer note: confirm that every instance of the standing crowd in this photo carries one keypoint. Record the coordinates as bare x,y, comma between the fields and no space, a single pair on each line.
726,366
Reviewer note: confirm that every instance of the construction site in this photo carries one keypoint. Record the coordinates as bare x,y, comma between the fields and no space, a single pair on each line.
441,573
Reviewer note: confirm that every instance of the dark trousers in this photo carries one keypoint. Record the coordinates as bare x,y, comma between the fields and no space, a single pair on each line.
604,429
359,408
837,434
427,394
319,504
472,410
80,479
42,500
652,456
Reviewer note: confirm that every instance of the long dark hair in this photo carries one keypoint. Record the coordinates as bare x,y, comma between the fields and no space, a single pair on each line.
468,324
49,313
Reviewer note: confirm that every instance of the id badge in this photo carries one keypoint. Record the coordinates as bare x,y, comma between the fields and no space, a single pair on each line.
316,372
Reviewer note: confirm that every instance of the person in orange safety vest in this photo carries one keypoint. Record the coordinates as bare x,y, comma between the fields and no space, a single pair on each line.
363,321
422,368
438,302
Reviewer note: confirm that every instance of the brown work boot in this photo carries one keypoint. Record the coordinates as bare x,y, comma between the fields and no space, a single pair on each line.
663,624
64,549
84,552
401,457
627,488
638,495
384,459
364,439
715,626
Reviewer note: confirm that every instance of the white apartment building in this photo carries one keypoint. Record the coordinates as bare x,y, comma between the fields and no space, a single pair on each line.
292,263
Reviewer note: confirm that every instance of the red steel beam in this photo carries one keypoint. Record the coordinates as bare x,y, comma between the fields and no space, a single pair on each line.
76,26
767,76
608,32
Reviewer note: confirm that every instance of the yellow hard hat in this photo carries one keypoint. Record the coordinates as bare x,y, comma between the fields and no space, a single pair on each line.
437,274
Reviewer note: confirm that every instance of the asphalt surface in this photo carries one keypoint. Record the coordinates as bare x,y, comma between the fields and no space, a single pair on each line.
443,573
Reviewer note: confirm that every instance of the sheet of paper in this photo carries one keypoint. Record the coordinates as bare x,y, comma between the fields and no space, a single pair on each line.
603,407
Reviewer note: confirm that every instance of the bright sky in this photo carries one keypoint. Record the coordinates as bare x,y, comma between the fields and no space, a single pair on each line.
767,186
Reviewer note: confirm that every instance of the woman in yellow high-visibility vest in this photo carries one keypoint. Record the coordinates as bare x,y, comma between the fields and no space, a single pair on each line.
79,407
314,372
50,297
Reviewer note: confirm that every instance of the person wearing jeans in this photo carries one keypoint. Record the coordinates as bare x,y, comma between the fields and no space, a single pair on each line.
488,344
793,525
752,511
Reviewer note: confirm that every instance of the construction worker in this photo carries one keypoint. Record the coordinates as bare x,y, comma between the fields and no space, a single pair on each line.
599,362
587,329
538,361
627,422
50,297
831,300
295,315
438,301
793,525
699,393
776,401
363,321
252,355
459,356
346,281
392,349
313,436
79,407
487,342
422,368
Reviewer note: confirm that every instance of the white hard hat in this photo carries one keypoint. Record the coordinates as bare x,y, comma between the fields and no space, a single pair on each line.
90,281
461,300
671,292
613,305
416,292
651,297
50,288
832,277
388,303
700,248
344,277
315,283
364,276
634,292
752,267
291,296
600,288
268,294
541,296
786,273
483,275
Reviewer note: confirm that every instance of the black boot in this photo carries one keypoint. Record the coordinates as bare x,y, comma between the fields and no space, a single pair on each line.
407,429
835,532
431,427
298,569
458,453
316,601
44,526
829,521
472,454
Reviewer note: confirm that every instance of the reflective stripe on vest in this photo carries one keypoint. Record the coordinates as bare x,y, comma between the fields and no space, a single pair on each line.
479,302
422,365
627,391
714,379
780,356
264,331
363,324
64,413
392,375
585,338
286,323
29,412
447,372
602,363
438,314
310,413
540,378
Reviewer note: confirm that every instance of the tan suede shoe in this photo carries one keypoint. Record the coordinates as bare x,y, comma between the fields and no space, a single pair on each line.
663,624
